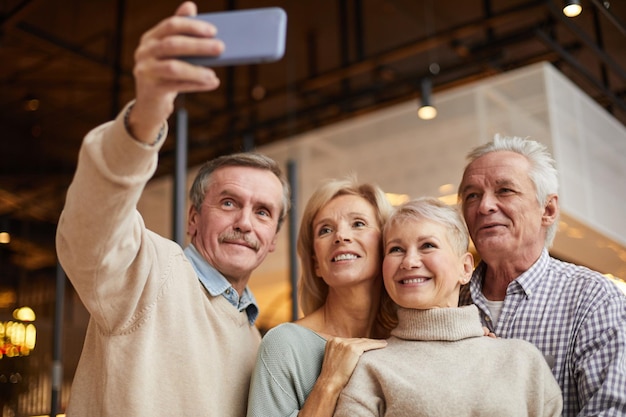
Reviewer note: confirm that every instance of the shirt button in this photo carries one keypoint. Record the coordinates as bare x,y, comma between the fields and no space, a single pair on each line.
228,291
487,318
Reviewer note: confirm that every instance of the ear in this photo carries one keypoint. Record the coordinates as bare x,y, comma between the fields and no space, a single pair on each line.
468,267
551,210
192,221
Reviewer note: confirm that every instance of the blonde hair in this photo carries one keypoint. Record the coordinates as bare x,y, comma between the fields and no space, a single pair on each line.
435,210
313,290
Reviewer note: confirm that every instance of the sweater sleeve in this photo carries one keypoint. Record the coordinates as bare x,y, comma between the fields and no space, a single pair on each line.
552,395
101,238
288,364
359,398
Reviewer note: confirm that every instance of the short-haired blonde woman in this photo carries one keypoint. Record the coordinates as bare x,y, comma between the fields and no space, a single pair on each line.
437,361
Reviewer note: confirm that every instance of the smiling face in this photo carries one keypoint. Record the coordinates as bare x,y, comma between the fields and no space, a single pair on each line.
236,226
501,209
421,269
347,242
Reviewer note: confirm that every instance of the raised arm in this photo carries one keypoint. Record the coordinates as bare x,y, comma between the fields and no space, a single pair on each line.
102,242
160,77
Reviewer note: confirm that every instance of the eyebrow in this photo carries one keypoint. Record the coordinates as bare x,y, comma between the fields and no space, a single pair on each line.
351,214
498,182
505,181
392,240
273,208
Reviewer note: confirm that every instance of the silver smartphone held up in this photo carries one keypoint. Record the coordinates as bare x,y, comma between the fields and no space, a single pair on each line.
250,36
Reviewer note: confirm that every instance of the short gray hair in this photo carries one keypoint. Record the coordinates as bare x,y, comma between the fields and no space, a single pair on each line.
435,210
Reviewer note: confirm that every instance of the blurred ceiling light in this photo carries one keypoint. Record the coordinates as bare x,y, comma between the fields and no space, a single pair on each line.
572,8
5,237
426,111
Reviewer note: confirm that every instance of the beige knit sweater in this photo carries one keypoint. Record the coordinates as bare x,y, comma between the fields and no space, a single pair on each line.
157,343
438,364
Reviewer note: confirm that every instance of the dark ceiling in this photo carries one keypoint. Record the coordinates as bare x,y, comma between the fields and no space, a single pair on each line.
67,67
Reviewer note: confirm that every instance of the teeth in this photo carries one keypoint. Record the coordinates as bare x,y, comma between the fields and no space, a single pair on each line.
413,280
344,257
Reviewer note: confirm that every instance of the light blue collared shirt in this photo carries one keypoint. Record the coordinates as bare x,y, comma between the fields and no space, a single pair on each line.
216,284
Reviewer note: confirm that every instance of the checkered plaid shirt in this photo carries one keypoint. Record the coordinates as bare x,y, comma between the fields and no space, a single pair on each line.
577,318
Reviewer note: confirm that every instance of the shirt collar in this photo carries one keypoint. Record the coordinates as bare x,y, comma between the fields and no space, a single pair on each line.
532,277
528,281
216,284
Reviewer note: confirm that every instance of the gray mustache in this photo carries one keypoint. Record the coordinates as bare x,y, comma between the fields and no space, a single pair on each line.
235,236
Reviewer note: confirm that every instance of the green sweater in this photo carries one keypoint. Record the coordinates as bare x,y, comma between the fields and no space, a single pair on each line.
438,363
289,362
157,343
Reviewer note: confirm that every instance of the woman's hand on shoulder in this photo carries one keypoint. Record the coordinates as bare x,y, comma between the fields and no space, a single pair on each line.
340,359
342,355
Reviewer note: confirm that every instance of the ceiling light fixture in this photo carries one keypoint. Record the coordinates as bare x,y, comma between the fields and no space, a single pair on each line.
572,8
426,111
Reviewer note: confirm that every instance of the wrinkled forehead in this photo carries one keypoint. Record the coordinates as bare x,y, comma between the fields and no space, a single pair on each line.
497,167
249,182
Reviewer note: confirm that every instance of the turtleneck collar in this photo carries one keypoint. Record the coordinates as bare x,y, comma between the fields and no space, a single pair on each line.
442,324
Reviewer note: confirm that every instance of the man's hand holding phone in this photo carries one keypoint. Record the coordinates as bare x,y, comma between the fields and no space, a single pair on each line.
159,73
177,56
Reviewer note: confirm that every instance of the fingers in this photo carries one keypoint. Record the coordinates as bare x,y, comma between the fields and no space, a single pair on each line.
355,346
157,62
342,354
188,8
160,74
487,332
177,44
372,344
171,73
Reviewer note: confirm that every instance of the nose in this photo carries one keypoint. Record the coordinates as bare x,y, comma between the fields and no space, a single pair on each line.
243,220
488,203
343,234
411,260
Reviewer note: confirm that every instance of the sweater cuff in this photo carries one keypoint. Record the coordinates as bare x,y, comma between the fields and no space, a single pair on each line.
159,137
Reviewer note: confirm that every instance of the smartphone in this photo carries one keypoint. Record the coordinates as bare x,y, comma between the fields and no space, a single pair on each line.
250,36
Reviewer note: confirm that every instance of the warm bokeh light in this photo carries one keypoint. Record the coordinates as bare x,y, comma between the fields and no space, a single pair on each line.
446,189
427,112
620,284
572,10
18,338
397,199
5,237
449,199
24,314
32,105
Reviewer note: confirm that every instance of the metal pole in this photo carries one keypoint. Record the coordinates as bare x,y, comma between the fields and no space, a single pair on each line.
57,342
293,235
180,176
